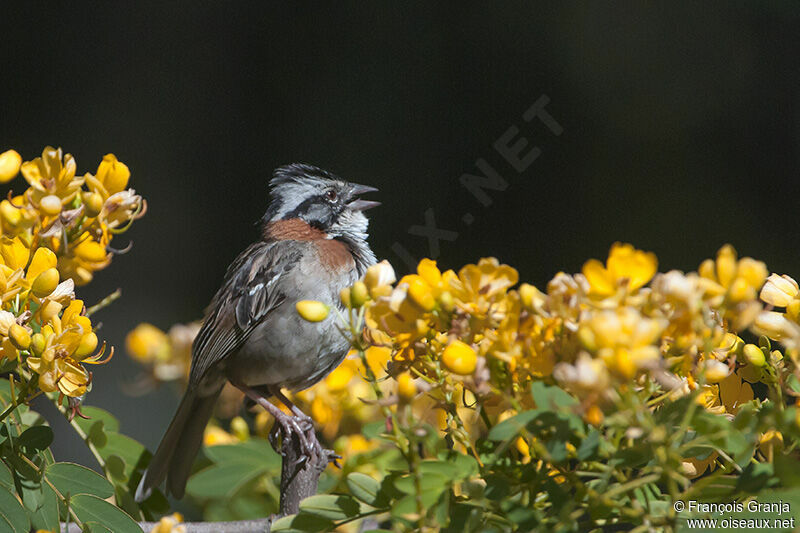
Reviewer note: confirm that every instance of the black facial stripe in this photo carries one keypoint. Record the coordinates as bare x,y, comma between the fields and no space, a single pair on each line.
303,207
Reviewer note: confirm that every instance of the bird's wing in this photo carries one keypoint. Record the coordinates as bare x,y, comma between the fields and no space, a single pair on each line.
251,290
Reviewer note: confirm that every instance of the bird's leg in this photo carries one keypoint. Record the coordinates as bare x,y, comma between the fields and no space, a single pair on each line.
276,391
330,455
288,424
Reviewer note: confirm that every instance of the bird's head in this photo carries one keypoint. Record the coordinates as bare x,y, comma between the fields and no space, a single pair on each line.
321,199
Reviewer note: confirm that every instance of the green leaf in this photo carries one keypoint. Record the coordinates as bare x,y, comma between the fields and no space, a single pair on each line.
130,451
551,398
589,445
96,415
36,438
257,452
12,513
755,477
432,466
509,428
331,506
221,480
45,516
73,479
93,509
115,467
301,523
430,483
6,477
366,489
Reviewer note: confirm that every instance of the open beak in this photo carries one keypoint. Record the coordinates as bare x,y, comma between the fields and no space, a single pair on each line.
362,205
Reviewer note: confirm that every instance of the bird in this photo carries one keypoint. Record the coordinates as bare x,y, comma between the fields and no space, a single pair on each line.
313,244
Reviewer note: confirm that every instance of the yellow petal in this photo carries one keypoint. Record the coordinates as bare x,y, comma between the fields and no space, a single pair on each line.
43,259
726,265
598,277
625,262
15,254
428,270
91,251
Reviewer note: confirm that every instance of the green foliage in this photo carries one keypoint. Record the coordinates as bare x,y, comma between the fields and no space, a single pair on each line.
37,492
625,473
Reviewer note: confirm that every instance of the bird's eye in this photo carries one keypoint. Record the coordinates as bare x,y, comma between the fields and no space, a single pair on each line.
331,195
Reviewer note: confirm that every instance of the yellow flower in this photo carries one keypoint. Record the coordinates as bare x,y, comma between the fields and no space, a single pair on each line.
215,435
779,291
770,443
625,267
10,162
732,279
478,288
147,343
623,339
48,175
170,524
379,278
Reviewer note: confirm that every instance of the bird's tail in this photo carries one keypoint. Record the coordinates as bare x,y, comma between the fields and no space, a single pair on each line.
179,446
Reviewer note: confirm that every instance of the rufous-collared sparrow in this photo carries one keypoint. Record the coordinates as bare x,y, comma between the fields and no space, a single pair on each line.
313,244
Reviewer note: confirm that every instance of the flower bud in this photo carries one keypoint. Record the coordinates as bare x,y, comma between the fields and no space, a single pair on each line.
406,388
240,428
86,347
344,294
754,355
92,203
19,336
359,294
459,358
10,161
50,205
594,415
45,283
113,174
312,310
38,343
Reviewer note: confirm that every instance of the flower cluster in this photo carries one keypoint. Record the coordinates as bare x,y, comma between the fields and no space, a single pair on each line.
55,235
469,345
460,350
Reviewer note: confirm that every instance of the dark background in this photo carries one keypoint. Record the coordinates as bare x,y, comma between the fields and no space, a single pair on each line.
681,131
